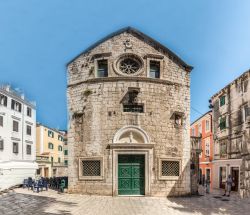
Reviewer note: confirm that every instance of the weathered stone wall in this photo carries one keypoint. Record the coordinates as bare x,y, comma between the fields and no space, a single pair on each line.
236,135
96,114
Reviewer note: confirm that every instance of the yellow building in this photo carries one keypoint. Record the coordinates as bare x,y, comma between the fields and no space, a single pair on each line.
49,150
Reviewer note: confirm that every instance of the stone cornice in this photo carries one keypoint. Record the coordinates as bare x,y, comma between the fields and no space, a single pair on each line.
131,146
131,79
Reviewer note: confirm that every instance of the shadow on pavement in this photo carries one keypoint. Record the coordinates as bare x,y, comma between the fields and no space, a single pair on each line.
25,204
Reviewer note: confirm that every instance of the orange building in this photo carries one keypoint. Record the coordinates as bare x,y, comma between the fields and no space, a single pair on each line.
202,127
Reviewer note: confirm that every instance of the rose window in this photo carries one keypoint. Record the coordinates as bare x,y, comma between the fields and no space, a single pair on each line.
129,66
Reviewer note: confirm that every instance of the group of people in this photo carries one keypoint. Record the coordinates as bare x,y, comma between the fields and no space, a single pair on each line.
228,185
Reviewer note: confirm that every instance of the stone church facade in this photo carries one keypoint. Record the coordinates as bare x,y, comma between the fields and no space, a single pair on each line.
129,109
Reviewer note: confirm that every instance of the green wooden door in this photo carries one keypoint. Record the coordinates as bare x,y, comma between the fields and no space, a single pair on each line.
131,176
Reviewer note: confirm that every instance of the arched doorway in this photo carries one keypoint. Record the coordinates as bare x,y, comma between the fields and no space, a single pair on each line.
132,158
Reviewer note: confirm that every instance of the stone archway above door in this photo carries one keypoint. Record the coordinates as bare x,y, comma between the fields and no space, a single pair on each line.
131,135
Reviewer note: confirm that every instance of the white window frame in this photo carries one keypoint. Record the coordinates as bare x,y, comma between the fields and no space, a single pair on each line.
170,178
81,177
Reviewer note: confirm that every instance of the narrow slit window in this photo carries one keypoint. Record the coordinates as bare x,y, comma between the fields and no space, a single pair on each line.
154,69
102,68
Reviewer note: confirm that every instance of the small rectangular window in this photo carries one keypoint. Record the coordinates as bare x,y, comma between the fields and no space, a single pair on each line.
207,125
66,162
199,129
102,68
222,123
17,106
15,147
1,144
28,149
51,146
59,160
222,100
207,147
60,137
134,108
154,69
192,132
65,152
1,121
29,111
223,149
15,126
3,100
28,130
170,168
51,134
91,167
59,148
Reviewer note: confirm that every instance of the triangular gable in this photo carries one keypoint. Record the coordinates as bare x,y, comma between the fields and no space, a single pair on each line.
158,46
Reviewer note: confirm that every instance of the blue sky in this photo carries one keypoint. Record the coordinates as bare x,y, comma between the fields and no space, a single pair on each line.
38,38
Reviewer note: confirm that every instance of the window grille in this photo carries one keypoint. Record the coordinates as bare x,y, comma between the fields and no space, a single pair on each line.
137,108
91,167
170,168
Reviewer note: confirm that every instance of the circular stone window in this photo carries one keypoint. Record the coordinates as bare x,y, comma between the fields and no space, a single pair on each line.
128,65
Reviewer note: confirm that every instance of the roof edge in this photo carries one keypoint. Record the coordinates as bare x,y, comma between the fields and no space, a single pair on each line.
130,29
210,111
218,92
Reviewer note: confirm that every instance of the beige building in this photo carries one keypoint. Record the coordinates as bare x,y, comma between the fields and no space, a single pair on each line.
49,150
129,109
231,116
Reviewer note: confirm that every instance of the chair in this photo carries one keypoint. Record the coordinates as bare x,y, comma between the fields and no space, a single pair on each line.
25,183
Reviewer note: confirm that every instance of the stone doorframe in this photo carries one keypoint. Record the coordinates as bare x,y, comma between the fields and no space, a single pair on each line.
131,140
129,149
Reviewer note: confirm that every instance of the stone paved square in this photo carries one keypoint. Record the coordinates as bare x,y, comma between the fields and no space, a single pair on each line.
25,202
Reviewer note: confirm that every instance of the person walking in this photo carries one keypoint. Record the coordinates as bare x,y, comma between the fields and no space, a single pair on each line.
207,185
228,186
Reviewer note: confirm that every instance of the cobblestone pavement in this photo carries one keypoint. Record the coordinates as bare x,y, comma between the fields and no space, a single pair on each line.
25,202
